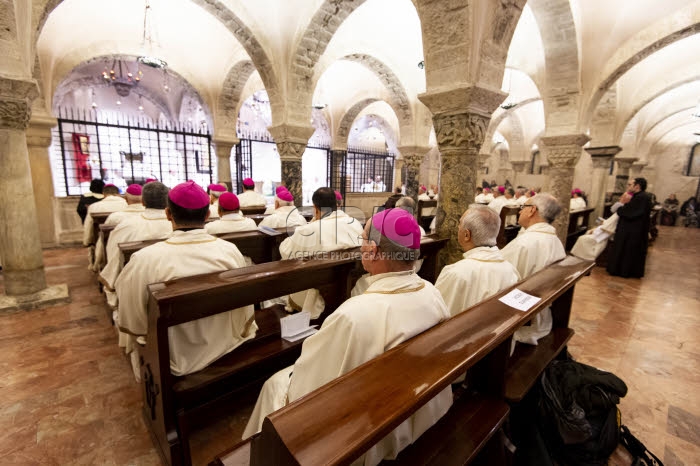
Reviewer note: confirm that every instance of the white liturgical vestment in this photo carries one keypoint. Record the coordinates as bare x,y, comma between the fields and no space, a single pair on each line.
577,203
251,199
150,224
230,223
481,274
214,210
497,204
113,220
193,345
283,217
536,248
395,307
108,204
589,246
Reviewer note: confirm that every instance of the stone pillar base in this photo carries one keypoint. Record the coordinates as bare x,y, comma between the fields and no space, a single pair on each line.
50,296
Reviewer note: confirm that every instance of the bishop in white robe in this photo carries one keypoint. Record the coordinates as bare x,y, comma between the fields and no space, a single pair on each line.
592,244
397,306
193,345
285,213
483,272
230,218
537,247
215,190
134,207
250,198
112,202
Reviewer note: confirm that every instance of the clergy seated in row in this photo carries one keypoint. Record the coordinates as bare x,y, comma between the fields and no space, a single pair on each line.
577,201
484,197
409,205
593,243
285,214
271,208
230,218
134,207
338,199
112,202
90,197
151,223
215,191
483,272
250,198
499,199
534,249
423,195
331,230
521,196
190,250
397,306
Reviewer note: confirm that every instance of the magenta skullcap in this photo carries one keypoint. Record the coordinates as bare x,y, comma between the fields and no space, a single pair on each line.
501,189
229,201
134,189
189,195
280,188
150,180
110,185
338,196
220,188
285,196
423,187
248,182
399,226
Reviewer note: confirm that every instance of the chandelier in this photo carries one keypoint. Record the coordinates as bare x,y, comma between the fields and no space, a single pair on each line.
149,37
121,78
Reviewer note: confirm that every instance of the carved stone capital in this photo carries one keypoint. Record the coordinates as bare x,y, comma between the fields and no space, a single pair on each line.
291,151
605,151
625,163
413,155
223,149
563,151
469,99
519,165
460,132
291,133
16,97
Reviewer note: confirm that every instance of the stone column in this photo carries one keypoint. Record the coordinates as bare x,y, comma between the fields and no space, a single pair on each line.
23,264
519,167
562,152
38,143
337,178
223,160
291,143
623,173
482,167
398,167
412,157
460,118
601,157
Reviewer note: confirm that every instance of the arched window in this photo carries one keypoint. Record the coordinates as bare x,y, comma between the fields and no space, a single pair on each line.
694,161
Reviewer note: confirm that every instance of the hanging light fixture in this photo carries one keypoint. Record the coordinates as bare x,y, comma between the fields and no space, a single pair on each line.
149,58
121,78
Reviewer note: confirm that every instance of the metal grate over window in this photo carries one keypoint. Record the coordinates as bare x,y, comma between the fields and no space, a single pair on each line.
123,150
369,171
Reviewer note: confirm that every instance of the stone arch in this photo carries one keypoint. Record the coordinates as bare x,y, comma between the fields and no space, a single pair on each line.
518,151
562,68
40,13
230,98
630,62
399,98
343,131
498,119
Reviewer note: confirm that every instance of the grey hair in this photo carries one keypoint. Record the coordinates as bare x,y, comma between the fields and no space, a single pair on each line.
520,191
216,194
483,223
510,191
132,198
283,203
406,203
393,251
155,195
547,206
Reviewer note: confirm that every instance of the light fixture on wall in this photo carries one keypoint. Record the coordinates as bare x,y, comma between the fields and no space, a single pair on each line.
149,58
508,104
421,64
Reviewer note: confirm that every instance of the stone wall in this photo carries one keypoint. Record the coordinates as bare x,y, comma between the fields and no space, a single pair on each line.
671,165
69,230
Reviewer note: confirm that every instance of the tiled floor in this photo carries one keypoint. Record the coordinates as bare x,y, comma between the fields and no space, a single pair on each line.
68,397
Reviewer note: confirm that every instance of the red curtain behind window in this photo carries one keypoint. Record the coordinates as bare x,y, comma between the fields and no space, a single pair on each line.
83,172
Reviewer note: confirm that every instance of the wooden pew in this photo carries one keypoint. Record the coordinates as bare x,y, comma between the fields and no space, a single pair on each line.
576,227
377,396
253,210
506,234
97,220
424,220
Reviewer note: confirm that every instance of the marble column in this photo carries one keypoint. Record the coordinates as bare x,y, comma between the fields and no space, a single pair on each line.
460,117
601,158
38,143
412,157
223,160
562,153
337,177
291,143
20,243
623,173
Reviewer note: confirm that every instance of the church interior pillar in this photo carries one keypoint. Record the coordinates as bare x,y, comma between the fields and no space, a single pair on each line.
291,143
22,260
519,167
601,158
623,173
38,143
562,153
223,161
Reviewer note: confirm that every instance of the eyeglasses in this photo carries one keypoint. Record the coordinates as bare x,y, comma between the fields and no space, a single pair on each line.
528,205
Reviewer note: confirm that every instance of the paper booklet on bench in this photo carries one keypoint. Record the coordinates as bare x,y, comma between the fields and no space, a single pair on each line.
296,326
269,231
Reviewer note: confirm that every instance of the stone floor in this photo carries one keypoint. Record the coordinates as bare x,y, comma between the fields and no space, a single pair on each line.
68,396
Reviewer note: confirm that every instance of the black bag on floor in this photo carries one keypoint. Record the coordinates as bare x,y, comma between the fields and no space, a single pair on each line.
641,456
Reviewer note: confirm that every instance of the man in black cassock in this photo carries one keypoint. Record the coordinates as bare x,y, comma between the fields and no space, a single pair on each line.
629,250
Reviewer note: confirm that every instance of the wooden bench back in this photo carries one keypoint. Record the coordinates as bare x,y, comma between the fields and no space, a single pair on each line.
577,228
425,205
502,238
318,429
253,210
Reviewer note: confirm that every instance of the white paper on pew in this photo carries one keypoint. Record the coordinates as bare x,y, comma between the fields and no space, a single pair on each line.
519,300
269,231
296,326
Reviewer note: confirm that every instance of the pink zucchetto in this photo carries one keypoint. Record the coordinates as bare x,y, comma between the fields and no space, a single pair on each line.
229,201
280,188
248,182
338,196
219,188
110,185
285,196
399,226
189,195
501,189
150,180
134,189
